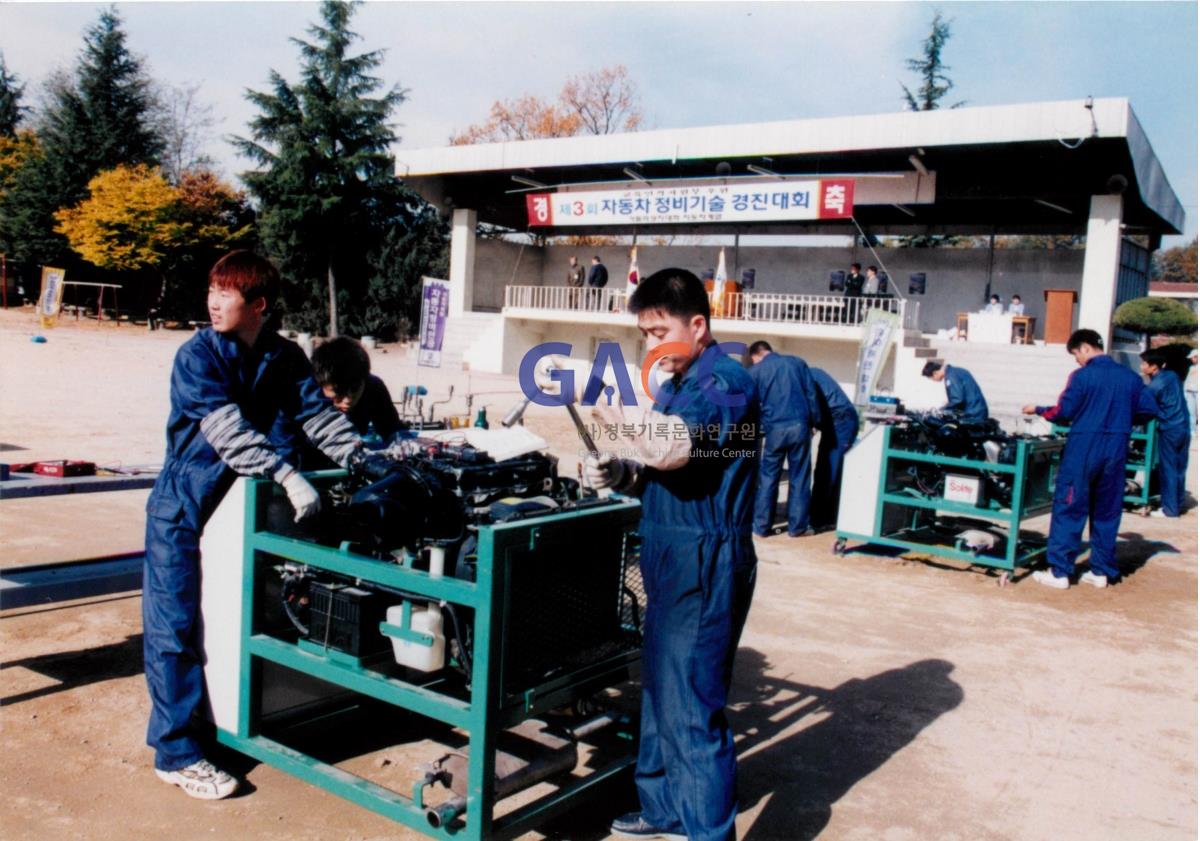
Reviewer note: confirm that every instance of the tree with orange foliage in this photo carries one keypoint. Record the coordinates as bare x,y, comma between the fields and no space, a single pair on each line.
601,102
134,221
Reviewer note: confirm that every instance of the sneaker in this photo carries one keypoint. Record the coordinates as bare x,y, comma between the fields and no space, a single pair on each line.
805,533
200,779
1095,579
1158,512
1045,576
633,825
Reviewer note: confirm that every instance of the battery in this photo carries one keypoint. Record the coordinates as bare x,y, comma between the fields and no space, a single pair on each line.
346,618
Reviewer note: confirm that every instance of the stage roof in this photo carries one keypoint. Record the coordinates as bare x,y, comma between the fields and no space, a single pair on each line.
1025,168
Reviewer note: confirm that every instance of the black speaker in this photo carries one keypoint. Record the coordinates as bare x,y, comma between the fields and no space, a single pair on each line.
916,283
837,281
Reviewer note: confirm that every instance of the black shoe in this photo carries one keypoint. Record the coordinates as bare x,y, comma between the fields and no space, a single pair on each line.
805,533
634,826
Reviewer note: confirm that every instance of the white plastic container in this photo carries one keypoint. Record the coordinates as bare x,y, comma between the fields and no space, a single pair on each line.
426,619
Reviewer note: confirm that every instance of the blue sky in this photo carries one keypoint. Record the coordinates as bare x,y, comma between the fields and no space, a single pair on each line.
695,63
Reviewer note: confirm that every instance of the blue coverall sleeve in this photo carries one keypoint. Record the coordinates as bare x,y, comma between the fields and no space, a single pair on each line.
201,389
810,391
1145,406
1069,401
956,398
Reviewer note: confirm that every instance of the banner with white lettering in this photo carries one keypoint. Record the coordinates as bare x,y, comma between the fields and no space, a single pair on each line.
758,202
872,352
435,304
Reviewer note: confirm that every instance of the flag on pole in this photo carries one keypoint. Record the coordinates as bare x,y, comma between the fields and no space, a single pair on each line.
717,297
633,269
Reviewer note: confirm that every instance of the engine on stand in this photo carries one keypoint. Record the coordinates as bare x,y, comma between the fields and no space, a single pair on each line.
932,483
484,593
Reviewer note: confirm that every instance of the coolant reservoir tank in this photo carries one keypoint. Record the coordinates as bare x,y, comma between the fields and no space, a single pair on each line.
426,619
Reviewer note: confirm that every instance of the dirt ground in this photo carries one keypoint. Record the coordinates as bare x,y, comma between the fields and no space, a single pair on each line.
874,697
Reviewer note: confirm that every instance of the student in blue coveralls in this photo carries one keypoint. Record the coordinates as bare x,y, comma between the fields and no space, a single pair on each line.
1174,431
696,484
964,399
1101,402
342,369
839,427
789,412
229,385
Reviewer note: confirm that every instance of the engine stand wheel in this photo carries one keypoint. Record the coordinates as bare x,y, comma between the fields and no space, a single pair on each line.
1005,579
839,546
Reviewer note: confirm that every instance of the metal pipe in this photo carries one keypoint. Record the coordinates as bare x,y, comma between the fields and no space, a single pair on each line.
516,413
443,813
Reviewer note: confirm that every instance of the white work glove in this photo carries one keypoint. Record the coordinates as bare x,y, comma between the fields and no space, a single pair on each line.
603,472
582,371
301,494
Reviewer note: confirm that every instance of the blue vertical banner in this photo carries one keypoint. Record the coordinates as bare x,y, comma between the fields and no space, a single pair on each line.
872,352
435,305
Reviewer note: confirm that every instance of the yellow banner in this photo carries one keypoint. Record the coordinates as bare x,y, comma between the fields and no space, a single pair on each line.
50,301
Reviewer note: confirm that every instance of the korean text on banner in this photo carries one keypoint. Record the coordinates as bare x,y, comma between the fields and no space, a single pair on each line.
50,301
435,304
872,352
757,202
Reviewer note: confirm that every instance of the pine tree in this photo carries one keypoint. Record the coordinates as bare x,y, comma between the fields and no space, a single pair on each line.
327,193
97,118
935,84
11,110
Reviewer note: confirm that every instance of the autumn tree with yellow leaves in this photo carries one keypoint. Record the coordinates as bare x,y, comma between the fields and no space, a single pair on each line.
134,221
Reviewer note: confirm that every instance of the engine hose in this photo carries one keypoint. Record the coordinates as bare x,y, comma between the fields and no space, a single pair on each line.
464,650
290,585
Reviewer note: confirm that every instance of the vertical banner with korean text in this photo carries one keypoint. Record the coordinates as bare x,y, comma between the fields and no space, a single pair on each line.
50,301
872,352
435,304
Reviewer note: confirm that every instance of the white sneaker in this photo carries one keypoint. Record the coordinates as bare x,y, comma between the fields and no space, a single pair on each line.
1094,579
1045,576
1158,512
201,779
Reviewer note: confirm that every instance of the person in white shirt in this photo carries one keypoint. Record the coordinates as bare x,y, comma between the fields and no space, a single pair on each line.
994,307
1017,307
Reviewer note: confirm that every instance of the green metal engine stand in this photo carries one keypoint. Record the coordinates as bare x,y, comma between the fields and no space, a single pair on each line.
595,544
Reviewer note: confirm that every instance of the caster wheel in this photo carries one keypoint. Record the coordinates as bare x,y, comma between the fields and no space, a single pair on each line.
839,546
1004,580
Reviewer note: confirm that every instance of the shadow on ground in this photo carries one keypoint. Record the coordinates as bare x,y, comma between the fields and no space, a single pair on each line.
79,668
855,728
801,747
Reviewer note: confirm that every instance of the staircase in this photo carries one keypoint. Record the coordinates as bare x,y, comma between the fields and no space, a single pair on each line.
1010,376
464,333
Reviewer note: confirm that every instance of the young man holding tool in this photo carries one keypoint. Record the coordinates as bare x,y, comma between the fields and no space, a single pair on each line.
694,467
230,384
1101,402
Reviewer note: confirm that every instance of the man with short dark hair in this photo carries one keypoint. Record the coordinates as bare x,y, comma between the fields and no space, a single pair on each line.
854,282
697,559
574,281
789,411
1102,401
964,398
229,384
597,280
1174,431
